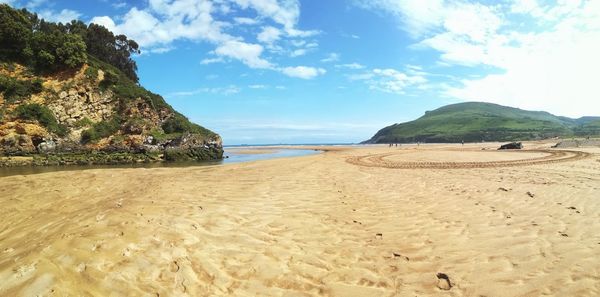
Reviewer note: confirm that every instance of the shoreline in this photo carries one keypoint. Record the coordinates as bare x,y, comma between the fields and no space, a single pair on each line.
32,170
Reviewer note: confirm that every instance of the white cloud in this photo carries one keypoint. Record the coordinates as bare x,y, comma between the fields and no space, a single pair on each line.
208,61
355,66
390,80
228,90
257,87
33,4
545,56
245,21
161,50
303,72
63,16
284,12
269,35
298,53
157,26
332,57
247,53
105,21
10,2
119,5
417,17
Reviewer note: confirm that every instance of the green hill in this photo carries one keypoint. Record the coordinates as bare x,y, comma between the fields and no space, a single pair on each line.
69,93
477,121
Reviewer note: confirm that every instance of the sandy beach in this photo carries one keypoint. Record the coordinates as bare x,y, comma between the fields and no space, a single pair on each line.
429,220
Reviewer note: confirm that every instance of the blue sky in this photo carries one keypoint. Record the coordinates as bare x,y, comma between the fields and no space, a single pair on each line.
296,71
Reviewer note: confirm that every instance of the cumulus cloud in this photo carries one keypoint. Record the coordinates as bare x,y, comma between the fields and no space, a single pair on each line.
269,35
157,26
245,21
247,53
227,90
303,72
355,66
332,57
257,87
389,80
63,16
544,56
417,17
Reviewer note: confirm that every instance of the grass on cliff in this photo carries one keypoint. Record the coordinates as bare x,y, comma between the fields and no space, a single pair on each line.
41,114
127,90
123,87
101,130
14,89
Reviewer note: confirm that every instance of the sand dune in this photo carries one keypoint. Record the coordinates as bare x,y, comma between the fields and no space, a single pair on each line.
320,225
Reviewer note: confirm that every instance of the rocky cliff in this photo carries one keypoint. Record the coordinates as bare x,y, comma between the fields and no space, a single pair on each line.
90,115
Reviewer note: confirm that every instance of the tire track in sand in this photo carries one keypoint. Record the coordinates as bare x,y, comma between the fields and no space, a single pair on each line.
554,156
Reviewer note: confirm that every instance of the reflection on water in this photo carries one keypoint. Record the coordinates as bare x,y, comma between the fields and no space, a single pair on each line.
235,155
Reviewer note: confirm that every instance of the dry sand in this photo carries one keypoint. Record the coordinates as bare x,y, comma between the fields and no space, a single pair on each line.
354,222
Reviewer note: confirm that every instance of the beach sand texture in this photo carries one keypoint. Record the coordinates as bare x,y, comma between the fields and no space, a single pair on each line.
347,222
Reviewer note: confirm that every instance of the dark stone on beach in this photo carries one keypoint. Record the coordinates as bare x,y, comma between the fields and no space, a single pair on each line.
530,194
511,146
443,281
398,255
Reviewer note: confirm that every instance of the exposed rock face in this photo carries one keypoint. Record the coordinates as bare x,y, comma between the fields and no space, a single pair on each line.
192,147
511,146
80,103
75,105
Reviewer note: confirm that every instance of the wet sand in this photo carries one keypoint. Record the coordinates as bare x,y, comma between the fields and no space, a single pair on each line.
357,221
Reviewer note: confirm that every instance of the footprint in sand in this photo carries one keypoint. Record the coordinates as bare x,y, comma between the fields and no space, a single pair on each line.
174,267
398,255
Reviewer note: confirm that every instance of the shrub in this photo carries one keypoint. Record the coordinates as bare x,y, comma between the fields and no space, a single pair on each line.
91,73
14,89
177,124
85,122
41,114
101,130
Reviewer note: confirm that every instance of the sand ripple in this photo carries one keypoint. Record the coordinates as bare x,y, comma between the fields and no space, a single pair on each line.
308,226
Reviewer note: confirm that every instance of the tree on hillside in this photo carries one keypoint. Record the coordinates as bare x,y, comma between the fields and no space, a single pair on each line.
48,46
115,50
15,33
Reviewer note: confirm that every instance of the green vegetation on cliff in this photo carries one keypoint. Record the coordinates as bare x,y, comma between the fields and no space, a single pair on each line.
73,89
49,47
41,114
476,121
13,89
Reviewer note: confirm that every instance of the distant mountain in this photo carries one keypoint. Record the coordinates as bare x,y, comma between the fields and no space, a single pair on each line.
477,121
